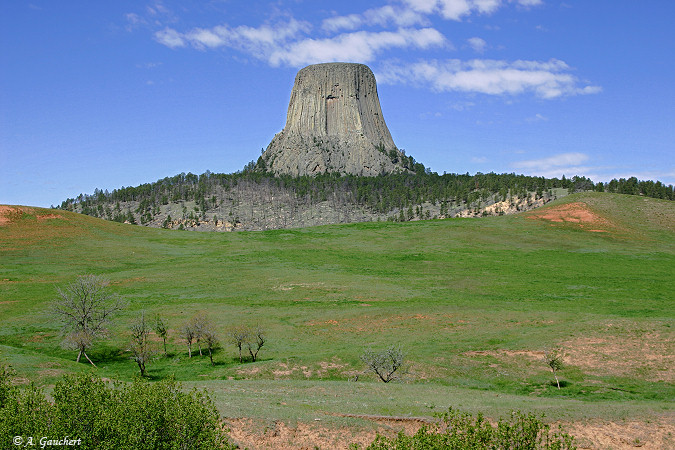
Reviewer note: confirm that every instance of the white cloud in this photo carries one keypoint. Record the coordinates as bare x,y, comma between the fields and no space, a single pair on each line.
257,41
546,79
568,164
529,2
337,23
555,161
360,46
384,16
169,37
458,9
479,159
284,44
477,44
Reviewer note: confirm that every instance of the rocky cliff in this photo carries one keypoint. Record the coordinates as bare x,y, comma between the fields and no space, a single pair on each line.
334,124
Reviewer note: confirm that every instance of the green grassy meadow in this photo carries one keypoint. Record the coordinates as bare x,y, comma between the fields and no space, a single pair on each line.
472,302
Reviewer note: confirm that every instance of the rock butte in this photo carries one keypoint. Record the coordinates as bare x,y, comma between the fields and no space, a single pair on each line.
334,124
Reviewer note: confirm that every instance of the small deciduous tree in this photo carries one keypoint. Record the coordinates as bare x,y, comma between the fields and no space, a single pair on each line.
140,345
255,342
384,363
85,307
188,335
554,359
199,323
239,336
210,339
162,330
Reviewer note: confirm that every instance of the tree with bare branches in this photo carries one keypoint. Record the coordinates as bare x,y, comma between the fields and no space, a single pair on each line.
188,335
256,339
140,345
162,330
384,363
85,307
199,323
239,336
210,339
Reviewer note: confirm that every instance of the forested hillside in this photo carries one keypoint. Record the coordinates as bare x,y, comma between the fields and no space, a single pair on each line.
253,199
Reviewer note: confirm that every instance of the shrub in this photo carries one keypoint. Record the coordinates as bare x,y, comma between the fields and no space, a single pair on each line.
462,431
138,415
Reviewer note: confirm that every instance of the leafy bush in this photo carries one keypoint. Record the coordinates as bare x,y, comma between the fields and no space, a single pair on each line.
138,415
462,431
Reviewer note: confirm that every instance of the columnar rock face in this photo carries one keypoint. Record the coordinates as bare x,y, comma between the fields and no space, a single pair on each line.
334,124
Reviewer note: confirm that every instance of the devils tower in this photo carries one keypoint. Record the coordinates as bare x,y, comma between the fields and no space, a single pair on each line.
334,124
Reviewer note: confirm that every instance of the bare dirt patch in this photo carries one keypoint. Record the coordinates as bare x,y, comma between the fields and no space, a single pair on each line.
577,213
626,352
248,372
646,355
258,434
654,434
8,214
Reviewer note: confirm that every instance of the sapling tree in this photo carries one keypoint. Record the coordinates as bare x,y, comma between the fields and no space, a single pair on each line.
255,342
188,335
162,330
384,363
198,324
210,339
140,345
85,307
554,359
238,336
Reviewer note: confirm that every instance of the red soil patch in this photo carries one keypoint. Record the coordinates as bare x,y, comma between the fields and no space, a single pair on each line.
575,213
8,214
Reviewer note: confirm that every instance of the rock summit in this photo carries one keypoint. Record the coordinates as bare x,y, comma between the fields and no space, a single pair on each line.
334,124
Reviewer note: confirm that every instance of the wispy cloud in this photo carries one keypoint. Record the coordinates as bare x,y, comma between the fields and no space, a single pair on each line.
257,41
568,164
384,16
546,79
405,24
285,44
170,37
458,9
477,44
360,46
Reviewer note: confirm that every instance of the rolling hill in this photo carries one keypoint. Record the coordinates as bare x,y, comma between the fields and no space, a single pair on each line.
473,303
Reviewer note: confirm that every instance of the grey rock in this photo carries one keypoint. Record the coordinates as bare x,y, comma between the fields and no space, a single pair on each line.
334,124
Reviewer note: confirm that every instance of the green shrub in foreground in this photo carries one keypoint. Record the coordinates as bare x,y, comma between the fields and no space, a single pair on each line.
139,415
462,431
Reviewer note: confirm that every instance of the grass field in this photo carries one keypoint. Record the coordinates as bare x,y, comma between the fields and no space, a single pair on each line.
472,302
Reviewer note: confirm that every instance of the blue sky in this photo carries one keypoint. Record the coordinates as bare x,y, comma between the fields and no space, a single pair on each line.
111,94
